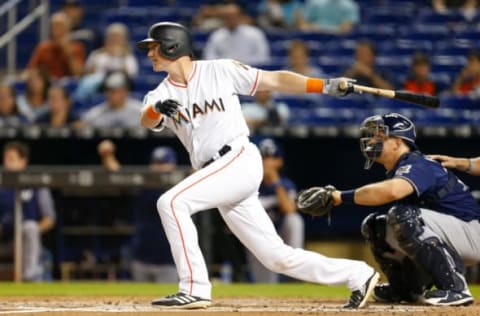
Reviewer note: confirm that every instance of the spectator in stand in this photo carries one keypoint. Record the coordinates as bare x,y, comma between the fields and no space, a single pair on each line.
329,16
9,114
152,258
34,101
468,81
468,8
119,110
115,55
277,194
299,60
60,56
237,40
265,111
363,69
279,14
38,214
419,80
79,32
59,112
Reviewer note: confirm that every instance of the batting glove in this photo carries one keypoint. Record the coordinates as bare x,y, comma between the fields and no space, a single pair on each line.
167,107
332,88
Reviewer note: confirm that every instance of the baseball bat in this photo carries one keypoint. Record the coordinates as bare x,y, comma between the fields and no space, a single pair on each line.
419,99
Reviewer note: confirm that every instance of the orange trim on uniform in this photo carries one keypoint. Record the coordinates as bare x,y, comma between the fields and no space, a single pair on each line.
184,85
255,83
314,85
150,112
176,220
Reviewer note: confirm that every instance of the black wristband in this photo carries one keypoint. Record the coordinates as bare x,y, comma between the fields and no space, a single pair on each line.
348,197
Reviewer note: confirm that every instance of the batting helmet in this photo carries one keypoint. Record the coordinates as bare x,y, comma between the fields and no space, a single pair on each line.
174,39
380,126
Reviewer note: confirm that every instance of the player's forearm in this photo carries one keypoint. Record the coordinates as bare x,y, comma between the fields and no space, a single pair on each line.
469,165
45,224
286,82
374,195
149,118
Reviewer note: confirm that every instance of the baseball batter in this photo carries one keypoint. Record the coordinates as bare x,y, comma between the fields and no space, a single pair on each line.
198,101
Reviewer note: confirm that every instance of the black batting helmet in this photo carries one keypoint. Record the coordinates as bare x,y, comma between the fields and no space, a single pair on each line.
174,39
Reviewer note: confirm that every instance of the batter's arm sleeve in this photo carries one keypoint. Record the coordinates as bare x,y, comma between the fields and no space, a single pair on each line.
380,193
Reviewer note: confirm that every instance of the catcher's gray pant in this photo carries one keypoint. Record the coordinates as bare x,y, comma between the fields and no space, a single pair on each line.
32,269
292,231
159,273
240,170
462,236
32,249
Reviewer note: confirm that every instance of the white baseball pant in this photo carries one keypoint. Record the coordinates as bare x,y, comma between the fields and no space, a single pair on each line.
231,184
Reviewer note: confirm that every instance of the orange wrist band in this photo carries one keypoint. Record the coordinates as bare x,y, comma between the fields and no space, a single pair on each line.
314,85
152,114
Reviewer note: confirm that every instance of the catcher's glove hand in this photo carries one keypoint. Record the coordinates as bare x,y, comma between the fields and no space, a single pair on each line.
316,201
168,107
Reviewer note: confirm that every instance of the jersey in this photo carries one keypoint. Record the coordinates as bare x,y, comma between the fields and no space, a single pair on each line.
210,115
269,200
436,188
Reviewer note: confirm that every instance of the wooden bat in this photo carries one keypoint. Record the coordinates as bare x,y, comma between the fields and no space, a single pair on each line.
420,99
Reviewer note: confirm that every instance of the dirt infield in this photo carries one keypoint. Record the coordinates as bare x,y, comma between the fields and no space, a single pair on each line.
101,306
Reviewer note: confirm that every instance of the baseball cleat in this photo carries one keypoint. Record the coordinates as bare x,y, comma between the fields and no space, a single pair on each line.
447,298
182,300
384,293
359,298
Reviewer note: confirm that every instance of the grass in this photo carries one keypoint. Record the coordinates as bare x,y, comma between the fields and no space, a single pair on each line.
144,289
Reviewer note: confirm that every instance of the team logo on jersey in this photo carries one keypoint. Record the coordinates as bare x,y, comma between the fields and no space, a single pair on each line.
208,107
403,170
180,118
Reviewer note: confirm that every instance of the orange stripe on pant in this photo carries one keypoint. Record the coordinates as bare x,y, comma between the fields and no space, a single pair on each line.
176,220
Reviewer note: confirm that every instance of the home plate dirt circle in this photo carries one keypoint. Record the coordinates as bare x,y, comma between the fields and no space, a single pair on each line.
73,306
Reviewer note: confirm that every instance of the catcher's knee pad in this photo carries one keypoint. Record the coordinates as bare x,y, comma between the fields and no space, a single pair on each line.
374,227
407,226
443,263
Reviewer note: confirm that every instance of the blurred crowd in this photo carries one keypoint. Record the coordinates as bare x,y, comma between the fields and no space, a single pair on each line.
80,77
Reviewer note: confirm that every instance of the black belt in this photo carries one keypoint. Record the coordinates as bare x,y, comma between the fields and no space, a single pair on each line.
225,149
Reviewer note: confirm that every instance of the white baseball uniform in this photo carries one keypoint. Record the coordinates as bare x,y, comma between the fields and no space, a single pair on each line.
210,118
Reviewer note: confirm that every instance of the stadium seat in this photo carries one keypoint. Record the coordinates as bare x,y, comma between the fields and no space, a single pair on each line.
452,101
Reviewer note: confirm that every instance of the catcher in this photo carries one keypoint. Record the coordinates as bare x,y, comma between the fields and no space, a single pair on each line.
431,231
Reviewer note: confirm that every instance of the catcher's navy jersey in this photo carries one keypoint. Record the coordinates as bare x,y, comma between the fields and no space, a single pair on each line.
436,188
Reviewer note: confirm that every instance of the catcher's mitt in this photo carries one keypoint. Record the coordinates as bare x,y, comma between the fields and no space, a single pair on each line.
316,201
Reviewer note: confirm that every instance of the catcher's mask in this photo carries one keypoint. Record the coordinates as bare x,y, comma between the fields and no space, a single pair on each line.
174,39
375,129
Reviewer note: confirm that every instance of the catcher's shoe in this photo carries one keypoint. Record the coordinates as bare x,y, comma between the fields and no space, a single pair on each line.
182,300
447,298
359,298
385,293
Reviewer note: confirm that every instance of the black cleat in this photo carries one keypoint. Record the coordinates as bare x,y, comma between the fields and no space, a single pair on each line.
447,298
384,293
359,298
182,300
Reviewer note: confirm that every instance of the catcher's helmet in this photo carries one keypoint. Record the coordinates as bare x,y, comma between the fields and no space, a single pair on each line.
174,39
381,126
